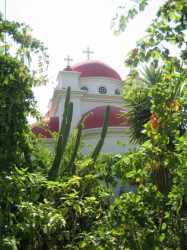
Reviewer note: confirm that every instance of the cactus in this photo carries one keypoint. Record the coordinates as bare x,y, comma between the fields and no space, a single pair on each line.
66,104
67,128
71,166
63,136
103,135
58,148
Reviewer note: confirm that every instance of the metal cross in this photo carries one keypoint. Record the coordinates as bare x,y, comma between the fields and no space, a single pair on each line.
88,53
68,60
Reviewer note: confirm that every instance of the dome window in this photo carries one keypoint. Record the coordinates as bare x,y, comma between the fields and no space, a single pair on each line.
117,92
102,90
84,88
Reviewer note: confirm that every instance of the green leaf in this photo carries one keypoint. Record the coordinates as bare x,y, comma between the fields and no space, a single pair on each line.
164,226
138,179
98,215
112,207
64,211
172,15
130,174
138,198
78,208
82,244
90,198
166,215
162,237
116,33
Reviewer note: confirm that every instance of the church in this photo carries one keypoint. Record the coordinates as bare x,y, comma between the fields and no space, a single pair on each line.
94,85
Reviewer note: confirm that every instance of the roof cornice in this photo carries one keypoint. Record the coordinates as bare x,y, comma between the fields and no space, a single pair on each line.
111,131
67,73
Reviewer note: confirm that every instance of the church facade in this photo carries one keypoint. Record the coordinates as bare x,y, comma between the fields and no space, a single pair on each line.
94,85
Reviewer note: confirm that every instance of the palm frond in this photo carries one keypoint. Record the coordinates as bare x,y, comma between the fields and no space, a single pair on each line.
151,75
139,103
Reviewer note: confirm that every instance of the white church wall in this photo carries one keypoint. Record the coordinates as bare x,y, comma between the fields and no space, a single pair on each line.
60,110
68,78
93,85
86,106
114,135
111,146
76,111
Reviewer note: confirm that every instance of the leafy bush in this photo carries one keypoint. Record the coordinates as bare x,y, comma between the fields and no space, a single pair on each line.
70,209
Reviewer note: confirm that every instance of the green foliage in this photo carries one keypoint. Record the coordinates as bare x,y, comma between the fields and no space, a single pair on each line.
156,217
139,104
139,100
134,7
16,96
69,208
152,75
52,206
63,136
74,212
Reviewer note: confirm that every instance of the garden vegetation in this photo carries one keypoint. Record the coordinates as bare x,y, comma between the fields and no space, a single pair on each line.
56,200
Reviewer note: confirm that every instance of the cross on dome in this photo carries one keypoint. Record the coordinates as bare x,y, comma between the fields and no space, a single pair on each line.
88,53
68,60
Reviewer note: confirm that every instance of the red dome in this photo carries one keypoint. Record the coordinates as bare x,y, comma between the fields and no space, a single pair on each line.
95,117
93,68
52,124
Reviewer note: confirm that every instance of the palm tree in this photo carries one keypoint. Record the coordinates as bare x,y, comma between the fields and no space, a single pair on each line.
139,103
151,75
139,114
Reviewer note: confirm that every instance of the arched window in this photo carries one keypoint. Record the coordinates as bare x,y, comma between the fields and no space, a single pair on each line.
102,90
84,88
117,92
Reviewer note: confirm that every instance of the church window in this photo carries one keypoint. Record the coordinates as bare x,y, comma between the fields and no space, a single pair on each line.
102,90
117,92
84,88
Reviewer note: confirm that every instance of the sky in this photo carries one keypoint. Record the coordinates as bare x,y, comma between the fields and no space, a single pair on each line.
67,27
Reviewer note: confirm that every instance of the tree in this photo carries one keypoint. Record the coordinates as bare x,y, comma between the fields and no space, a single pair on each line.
167,97
139,102
16,95
70,210
52,207
44,203
155,217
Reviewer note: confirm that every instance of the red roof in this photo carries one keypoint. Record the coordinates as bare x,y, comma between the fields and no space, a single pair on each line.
95,117
92,68
92,119
51,124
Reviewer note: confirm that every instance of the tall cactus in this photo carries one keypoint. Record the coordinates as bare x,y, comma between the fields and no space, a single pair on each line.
103,135
66,104
71,165
63,136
